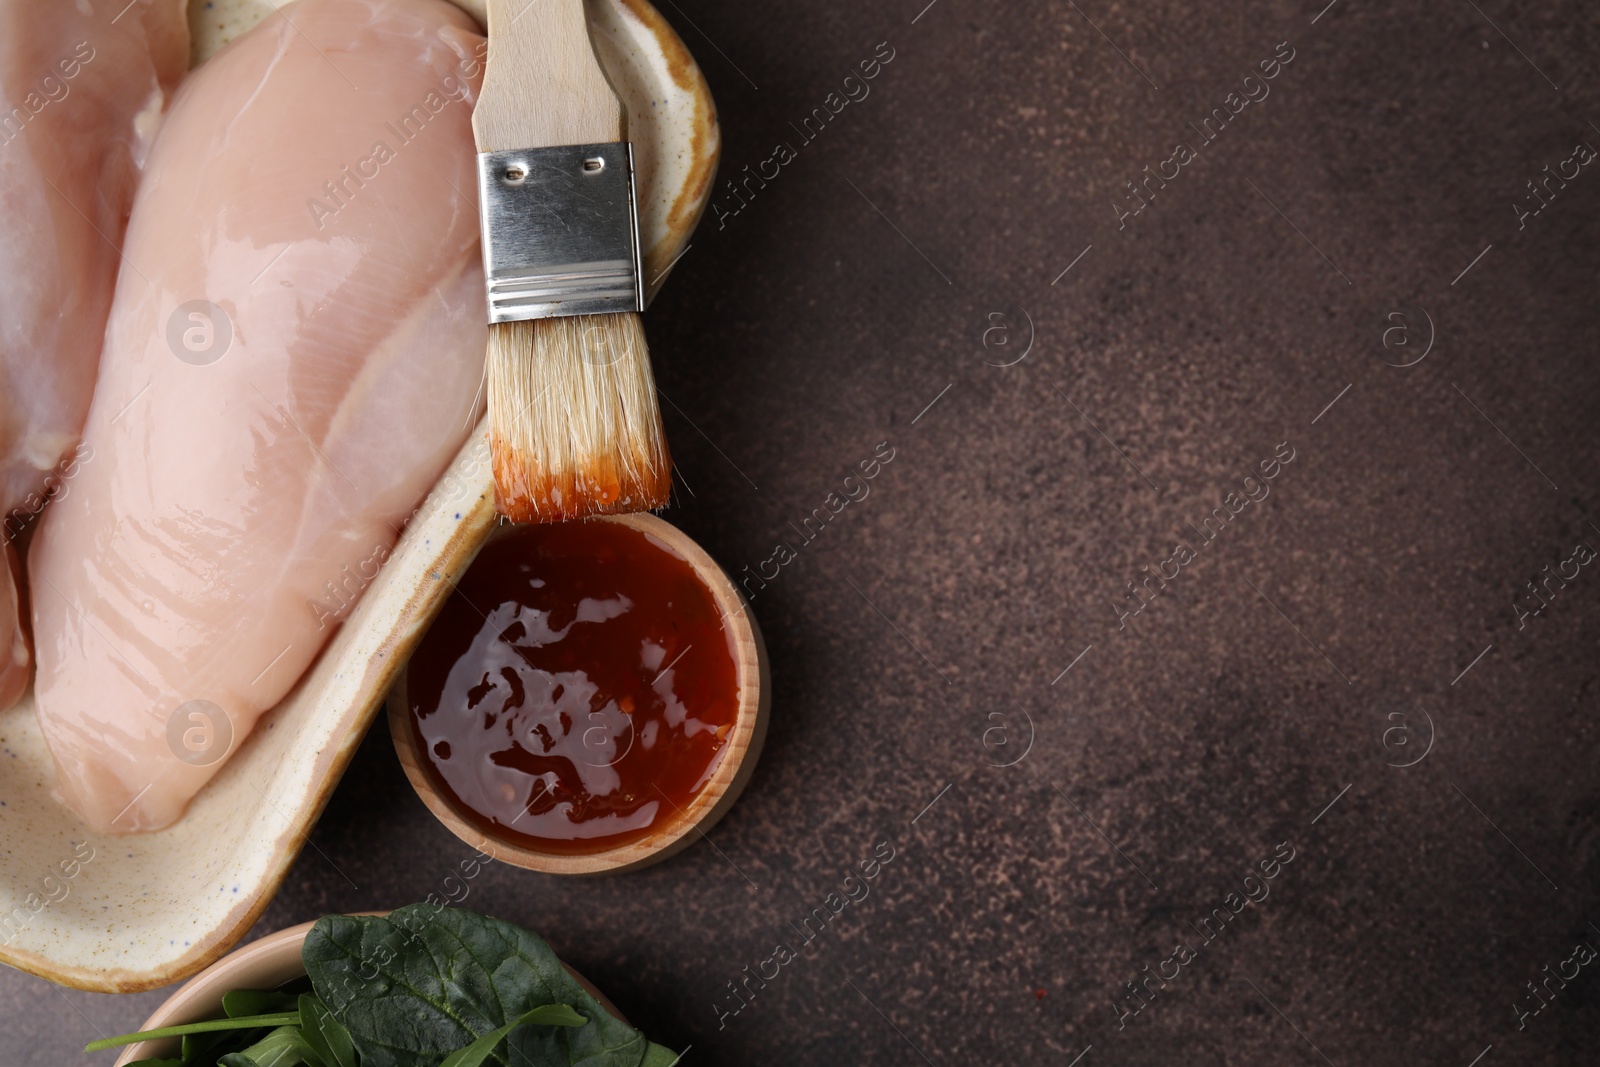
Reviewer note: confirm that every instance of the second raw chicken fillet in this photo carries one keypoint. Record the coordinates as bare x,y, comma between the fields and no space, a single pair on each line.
81,94
294,354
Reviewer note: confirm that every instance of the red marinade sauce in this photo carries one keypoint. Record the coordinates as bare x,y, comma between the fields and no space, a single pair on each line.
577,689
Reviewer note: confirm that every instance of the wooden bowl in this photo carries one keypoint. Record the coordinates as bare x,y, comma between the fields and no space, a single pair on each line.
715,797
263,964
123,914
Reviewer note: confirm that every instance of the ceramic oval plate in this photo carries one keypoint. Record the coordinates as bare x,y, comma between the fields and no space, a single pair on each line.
121,914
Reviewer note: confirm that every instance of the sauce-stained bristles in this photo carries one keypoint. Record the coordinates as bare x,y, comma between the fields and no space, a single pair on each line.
574,426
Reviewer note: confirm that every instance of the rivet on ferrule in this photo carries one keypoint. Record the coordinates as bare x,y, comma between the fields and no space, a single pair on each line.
560,231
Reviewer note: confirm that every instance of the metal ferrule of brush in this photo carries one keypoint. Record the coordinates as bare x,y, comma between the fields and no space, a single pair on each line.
560,231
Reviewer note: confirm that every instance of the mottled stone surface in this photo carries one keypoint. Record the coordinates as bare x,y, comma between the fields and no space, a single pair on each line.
1177,353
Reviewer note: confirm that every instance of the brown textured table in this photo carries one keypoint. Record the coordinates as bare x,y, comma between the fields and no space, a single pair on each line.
967,606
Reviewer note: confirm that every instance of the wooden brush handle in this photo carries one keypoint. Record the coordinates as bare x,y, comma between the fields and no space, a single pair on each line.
543,85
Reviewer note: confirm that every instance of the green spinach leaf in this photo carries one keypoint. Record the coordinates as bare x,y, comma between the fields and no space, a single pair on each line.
660,1056
548,1015
283,1047
241,1002
424,982
206,1026
197,1047
325,1034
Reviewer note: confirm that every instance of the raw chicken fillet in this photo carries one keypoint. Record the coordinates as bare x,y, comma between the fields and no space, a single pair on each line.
293,357
82,86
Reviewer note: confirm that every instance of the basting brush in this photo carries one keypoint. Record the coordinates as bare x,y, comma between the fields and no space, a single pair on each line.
574,425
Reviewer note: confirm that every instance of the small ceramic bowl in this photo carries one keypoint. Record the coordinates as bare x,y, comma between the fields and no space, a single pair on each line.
713,800
263,964
123,914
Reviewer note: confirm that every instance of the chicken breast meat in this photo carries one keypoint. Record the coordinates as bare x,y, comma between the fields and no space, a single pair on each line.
293,357
82,87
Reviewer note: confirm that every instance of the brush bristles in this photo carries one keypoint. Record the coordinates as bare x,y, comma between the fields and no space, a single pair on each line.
574,426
